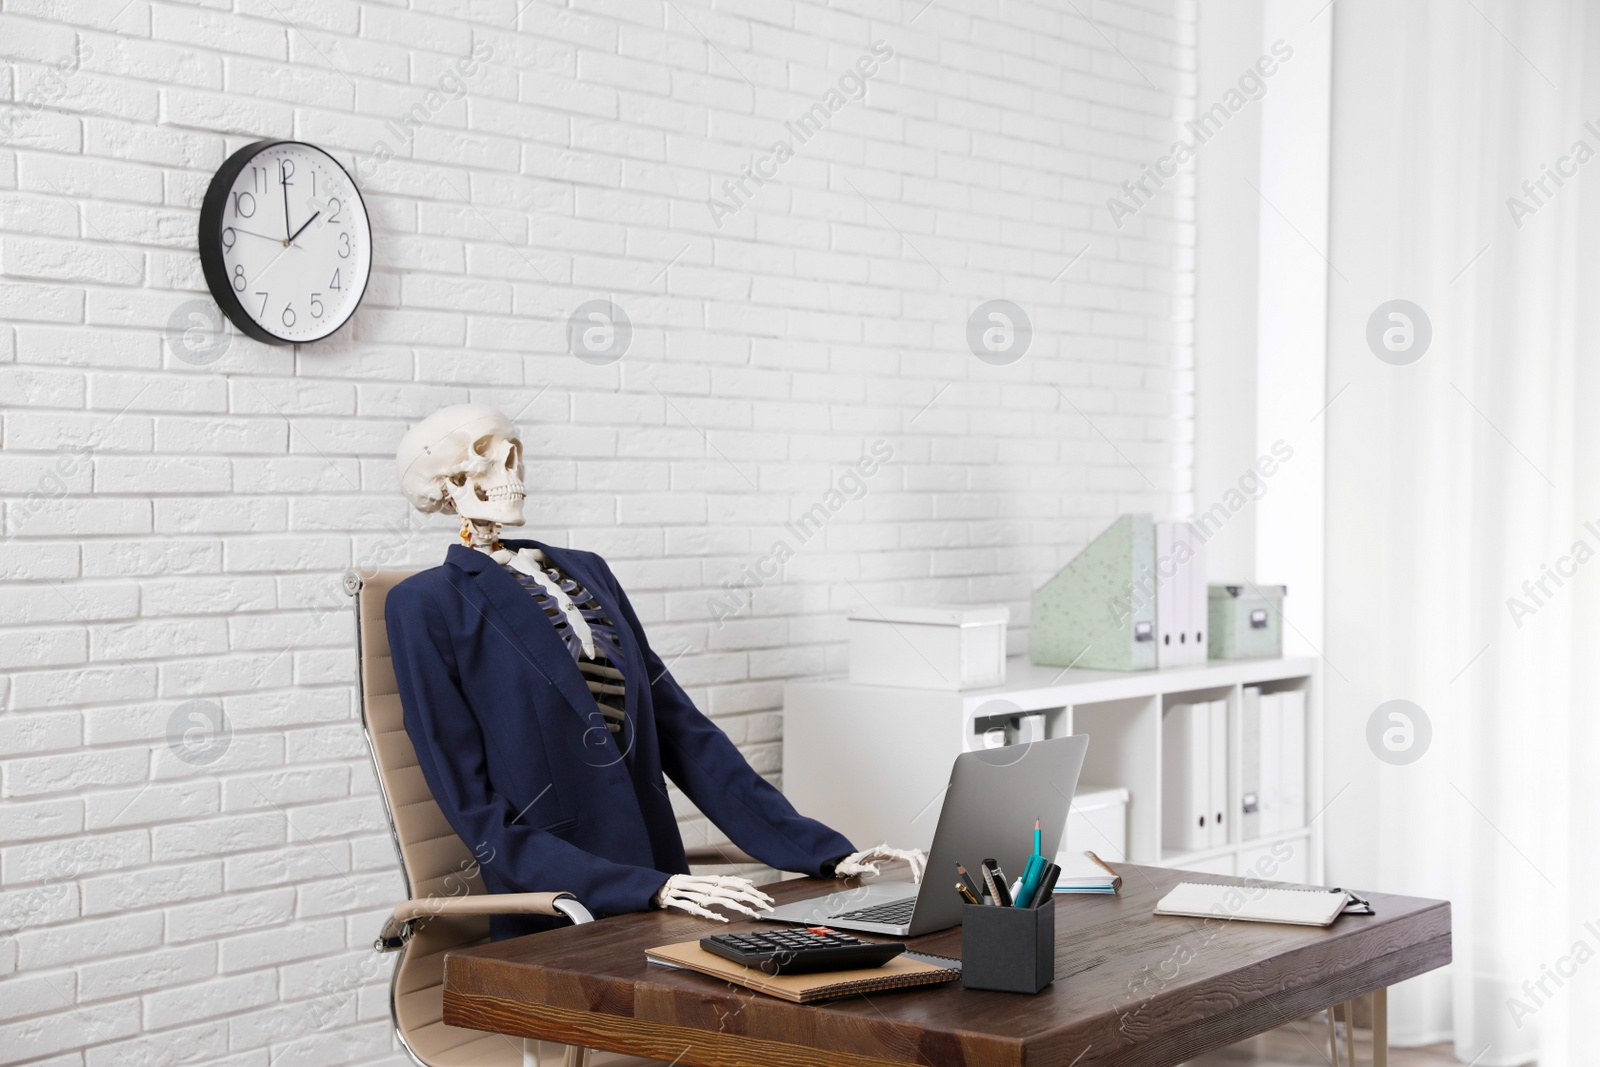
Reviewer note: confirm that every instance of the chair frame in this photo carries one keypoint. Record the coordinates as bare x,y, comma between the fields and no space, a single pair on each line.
409,915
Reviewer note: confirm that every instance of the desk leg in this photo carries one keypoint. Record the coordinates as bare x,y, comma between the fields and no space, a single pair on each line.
1380,1028
571,1056
1350,1032
1333,1039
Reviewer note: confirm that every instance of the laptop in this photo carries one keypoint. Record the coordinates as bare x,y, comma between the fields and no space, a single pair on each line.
989,807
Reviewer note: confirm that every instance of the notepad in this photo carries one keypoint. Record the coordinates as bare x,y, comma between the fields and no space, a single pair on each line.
906,969
1084,872
1254,903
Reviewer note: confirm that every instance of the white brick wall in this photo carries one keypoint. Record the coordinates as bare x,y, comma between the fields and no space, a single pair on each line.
176,532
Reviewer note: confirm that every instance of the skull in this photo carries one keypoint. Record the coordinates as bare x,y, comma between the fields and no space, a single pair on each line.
465,460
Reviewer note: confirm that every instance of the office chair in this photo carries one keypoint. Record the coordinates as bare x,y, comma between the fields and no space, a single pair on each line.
446,906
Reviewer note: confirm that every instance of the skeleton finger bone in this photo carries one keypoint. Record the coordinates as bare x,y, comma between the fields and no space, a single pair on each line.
862,862
698,894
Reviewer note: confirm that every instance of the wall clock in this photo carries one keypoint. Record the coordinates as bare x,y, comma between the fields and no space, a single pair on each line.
285,242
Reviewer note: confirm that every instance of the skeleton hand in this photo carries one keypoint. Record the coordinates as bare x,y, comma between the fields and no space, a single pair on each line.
696,894
863,862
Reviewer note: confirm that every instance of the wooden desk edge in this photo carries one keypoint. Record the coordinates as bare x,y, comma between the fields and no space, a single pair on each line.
1167,1045
655,1040
1162,1046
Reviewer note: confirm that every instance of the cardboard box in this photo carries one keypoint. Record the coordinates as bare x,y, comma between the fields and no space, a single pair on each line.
940,647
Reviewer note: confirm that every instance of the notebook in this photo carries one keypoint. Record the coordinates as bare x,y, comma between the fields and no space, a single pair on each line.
906,969
1302,907
1084,872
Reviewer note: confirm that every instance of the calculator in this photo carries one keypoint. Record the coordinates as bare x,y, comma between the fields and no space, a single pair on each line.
803,950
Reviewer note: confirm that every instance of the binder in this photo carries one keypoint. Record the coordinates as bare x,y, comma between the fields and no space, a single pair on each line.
1195,598
1182,606
1292,785
1271,764
1250,765
1217,773
1171,615
1185,770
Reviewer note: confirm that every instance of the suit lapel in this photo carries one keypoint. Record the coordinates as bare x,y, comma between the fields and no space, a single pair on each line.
530,631
634,682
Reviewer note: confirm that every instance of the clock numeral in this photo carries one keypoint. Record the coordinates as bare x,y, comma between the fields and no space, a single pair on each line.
335,283
344,246
238,278
263,297
288,315
228,238
333,205
258,178
316,305
241,201
285,171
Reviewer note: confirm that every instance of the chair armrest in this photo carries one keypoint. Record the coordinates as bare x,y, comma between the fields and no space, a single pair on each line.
719,856
481,904
400,925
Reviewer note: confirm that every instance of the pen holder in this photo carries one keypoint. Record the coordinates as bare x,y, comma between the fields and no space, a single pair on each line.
1010,950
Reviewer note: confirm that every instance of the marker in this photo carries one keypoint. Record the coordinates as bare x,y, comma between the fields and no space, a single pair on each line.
1038,839
1030,880
1047,886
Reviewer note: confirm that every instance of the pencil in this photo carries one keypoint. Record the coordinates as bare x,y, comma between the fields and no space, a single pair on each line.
1101,862
972,886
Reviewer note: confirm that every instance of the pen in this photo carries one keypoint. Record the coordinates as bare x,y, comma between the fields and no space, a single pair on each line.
972,887
989,881
1355,901
1002,895
966,894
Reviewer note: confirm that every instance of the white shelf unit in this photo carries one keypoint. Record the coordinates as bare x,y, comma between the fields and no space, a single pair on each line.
873,761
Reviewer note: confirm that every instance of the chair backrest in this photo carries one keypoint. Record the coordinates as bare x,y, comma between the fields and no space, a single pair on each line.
434,861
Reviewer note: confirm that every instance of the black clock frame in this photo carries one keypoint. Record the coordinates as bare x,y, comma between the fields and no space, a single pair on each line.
216,271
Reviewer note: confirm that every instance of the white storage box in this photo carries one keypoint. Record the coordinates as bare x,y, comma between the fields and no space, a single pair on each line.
1098,822
949,647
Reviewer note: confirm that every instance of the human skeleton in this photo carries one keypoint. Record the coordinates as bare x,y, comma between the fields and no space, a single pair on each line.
467,460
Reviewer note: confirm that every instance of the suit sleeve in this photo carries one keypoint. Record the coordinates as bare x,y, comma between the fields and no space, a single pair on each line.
714,774
451,751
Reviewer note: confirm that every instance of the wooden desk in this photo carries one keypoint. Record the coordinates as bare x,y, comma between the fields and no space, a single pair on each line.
1131,989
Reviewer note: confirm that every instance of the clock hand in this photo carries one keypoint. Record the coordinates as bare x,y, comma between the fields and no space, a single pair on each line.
283,182
302,229
252,233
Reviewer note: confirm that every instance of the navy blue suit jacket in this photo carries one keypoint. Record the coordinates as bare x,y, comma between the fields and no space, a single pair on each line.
519,759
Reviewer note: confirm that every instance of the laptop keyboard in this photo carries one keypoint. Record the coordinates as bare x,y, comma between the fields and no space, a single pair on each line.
894,913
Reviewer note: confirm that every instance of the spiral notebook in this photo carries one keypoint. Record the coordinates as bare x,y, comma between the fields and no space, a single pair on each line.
905,970
1302,907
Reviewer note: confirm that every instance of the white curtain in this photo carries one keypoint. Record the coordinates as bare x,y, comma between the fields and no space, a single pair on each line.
1453,481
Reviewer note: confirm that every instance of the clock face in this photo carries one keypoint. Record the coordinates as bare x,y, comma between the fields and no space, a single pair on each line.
285,242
